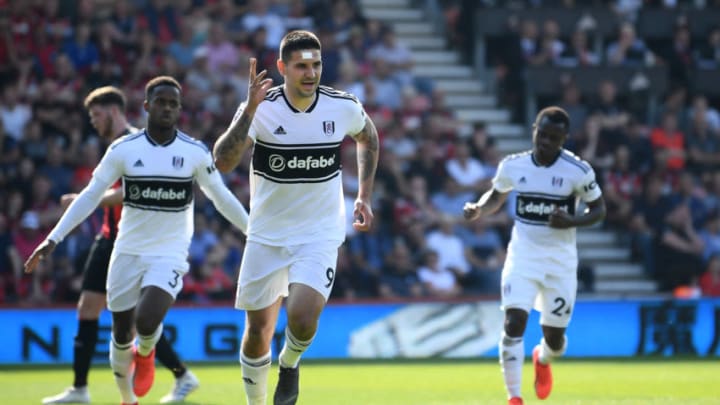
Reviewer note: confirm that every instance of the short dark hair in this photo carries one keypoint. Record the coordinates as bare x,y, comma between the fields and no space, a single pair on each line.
161,81
556,115
105,96
297,40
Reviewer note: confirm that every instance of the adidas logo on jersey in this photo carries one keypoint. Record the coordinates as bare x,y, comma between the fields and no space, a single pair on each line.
280,131
139,163
522,180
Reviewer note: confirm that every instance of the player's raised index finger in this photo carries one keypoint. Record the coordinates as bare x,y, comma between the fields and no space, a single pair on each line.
253,62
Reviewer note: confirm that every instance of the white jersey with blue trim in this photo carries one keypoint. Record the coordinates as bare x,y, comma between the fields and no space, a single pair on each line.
157,183
538,191
295,179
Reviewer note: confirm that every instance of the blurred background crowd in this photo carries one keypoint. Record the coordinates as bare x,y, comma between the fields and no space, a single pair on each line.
658,169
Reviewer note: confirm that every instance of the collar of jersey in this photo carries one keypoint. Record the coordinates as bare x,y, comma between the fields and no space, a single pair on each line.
536,163
153,143
295,110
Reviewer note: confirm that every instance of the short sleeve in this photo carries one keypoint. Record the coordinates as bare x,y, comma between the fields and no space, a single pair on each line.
588,188
110,167
252,132
502,181
356,119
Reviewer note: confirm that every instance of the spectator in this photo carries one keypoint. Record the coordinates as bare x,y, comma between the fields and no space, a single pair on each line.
14,112
575,107
82,51
183,48
628,50
669,138
162,19
297,17
648,215
399,277
258,15
679,250
438,282
396,57
678,55
467,171
219,50
450,200
621,186
450,249
578,54
707,56
485,251
551,47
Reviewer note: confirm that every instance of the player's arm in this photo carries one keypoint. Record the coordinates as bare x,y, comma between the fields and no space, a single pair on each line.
590,192
595,212
488,204
111,198
368,146
79,209
232,144
224,200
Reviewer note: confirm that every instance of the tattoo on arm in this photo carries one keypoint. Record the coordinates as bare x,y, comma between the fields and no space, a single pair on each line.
368,146
230,146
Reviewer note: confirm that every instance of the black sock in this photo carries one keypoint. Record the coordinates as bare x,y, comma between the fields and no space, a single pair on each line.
85,341
167,356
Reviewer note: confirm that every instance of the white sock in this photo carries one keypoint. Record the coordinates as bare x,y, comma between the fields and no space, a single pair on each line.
512,355
255,375
547,354
146,344
121,358
292,349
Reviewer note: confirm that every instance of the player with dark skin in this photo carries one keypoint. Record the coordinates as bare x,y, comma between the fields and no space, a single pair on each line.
548,138
163,110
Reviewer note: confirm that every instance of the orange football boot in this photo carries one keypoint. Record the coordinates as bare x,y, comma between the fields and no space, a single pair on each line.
144,373
543,375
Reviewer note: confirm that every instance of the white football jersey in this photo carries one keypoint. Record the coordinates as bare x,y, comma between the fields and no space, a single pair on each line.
539,190
295,181
157,183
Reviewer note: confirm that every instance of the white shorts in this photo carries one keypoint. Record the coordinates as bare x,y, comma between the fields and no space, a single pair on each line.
128,274
267,271
552,295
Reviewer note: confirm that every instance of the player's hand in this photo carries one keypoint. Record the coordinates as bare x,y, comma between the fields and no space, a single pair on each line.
363,216
258,85
561,220
40,253
472,211
66,199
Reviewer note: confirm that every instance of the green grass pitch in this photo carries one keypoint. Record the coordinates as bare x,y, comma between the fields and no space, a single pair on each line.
418,383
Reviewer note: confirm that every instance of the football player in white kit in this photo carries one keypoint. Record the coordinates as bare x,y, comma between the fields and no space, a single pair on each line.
540,268
296,205
158,166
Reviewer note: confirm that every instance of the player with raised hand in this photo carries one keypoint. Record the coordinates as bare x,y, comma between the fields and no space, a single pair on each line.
297,216
541,264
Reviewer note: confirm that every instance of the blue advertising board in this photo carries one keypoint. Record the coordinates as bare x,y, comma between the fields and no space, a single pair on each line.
413,330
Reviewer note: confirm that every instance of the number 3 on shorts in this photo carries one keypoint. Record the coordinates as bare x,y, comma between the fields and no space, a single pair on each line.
330,274
174,282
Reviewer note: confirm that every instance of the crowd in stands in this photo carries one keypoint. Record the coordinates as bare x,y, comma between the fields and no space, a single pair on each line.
658,169
655,173
53,52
